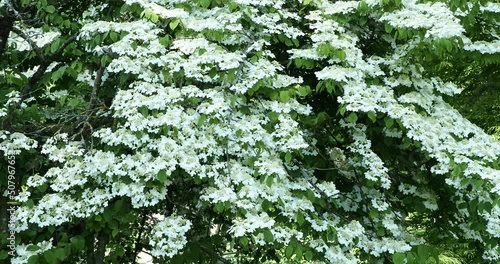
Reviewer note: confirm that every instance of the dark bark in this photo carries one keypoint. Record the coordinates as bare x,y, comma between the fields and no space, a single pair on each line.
102,241
6,24
97,253
138,242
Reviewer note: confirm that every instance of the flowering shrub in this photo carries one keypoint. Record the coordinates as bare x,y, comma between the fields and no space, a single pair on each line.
217,131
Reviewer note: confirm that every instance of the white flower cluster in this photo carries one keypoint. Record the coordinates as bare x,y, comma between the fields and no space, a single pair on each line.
436,18
158,9
338,7
215,19
93,11
24,252
40,38
168,236
14,143
250,224
484,47
136,28
68,151
491,7
375,169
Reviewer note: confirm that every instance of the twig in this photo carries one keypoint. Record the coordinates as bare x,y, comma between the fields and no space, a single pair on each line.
88,112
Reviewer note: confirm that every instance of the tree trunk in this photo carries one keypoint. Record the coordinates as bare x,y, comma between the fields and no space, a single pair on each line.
6,24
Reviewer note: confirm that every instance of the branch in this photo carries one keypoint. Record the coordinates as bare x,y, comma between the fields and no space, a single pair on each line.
32,44
100,253
323,194
95,88
139,237
6,24
61,48
6,125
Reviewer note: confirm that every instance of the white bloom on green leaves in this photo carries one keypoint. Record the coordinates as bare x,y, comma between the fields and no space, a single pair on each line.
250,223
168,236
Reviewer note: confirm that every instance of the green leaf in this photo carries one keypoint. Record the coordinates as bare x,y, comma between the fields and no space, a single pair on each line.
284,96
411,258
298,251
289,251
341,55
269,181
33,259
373,213
244,241
58,73
33,248
205,3
363,6
448,45
50,9
300,218
201,120
288,157
173,24
423,252
154,18
352,118
303,91
4,254
434,254
49,256
310,195
406,142
144,111
321,117
55,45
114,36
231,75
402,33
398,258
342,110
162,176
308,255
324,49
78,242
268,236
219,207
372,116
59,254
266,205
389,122
388,28
306,2
30,203
473,204
145,14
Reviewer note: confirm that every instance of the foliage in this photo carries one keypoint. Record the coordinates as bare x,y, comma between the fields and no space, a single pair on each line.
247,131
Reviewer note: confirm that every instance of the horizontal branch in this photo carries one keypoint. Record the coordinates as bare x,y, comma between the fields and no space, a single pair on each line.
28,39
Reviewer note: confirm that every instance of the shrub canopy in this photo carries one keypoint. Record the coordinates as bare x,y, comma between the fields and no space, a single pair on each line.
246,131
